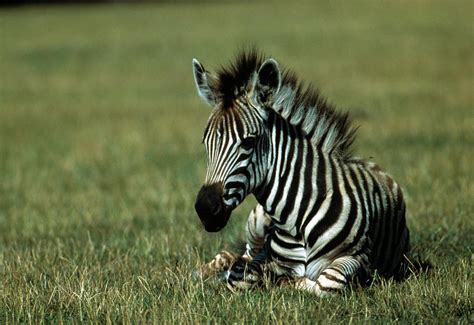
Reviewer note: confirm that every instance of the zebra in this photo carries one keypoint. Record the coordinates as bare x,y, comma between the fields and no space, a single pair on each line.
324,218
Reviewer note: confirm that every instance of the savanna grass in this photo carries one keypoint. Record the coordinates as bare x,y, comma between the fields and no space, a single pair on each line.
100,154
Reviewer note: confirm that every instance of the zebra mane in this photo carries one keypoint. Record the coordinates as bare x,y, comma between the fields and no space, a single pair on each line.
300,105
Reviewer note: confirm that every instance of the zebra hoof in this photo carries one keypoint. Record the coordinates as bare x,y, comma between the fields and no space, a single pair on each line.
223,276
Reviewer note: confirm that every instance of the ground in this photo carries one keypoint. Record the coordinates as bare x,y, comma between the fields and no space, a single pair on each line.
101,155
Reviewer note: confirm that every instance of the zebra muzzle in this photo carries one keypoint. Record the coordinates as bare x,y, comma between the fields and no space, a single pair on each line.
211,209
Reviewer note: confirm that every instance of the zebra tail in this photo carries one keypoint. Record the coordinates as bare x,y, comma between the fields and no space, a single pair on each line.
413,264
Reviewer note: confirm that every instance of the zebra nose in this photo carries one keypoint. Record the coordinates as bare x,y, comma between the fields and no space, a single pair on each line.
217,209
209,201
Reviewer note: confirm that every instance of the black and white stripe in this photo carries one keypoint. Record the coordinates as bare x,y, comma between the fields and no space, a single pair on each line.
324,217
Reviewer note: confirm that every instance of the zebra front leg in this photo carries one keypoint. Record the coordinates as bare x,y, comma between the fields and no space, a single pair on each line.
256,231
220,263
333,279
257,228
246,274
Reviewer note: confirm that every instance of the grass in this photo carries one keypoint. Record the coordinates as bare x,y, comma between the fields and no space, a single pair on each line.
100,154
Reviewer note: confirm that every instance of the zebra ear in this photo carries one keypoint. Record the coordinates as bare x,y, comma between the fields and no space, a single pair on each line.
268,81
203,83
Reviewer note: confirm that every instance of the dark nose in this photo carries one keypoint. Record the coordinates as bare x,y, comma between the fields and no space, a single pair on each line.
209,201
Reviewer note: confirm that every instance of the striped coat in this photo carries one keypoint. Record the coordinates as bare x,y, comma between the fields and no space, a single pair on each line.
324,217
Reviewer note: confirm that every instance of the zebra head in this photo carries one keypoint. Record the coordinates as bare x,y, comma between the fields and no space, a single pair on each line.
235,137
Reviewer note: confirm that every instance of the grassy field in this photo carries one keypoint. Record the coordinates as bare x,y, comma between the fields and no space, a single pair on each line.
100,154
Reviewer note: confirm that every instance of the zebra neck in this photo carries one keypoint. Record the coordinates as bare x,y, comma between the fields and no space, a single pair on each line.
290,176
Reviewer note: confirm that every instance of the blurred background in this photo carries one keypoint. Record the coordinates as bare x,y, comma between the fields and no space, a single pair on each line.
100,124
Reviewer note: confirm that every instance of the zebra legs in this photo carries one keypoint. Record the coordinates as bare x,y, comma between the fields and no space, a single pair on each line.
332,279
256,231
220,263
247,272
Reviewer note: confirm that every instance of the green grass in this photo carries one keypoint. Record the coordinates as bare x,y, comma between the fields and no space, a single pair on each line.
100,154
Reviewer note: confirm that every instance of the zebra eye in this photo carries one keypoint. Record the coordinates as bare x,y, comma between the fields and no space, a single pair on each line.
248,142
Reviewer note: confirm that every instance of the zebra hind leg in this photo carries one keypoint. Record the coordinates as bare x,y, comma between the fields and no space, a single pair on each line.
332,280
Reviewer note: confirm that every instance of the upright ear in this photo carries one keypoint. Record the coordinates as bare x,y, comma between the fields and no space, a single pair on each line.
204,83
268,81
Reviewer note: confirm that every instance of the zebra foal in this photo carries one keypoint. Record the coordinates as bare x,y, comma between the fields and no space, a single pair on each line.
324,217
